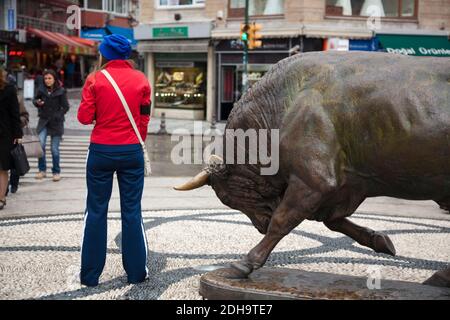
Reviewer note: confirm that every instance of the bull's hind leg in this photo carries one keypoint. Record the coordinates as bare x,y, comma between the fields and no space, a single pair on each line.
439,279
444,205
377,241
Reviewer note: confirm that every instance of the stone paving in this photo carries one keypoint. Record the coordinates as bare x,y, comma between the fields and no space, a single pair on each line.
39,255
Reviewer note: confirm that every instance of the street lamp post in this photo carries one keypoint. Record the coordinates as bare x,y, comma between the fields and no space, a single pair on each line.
245,57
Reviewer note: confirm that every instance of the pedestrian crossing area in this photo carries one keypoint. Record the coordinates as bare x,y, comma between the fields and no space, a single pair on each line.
73,152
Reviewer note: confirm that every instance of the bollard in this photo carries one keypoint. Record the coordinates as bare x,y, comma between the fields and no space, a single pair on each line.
213,123
162,125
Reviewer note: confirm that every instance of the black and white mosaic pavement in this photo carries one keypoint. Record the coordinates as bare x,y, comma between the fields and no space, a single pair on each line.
40,255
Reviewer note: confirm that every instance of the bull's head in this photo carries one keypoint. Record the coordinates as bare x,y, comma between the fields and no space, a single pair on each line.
236,189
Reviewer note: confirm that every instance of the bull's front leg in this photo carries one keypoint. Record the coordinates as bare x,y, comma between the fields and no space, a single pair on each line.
283,221
289,214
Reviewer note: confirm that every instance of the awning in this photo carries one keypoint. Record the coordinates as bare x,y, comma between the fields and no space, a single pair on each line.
222,34
325,31
416,45
67,44
173,45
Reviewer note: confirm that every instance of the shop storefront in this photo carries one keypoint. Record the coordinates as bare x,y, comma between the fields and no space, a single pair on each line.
7,38
416,45
50,50
180,85
229,55
178,61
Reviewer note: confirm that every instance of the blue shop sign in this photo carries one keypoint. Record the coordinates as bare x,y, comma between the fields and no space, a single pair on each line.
93,34
364,45
98,34
11,20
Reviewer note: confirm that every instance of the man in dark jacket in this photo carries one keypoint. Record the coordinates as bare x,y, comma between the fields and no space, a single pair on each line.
10,131
24,119
52,105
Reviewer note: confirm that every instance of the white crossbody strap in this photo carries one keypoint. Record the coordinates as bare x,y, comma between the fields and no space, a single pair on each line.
125,105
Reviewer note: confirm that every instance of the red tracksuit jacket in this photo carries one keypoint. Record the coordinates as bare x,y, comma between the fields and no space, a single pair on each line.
101,103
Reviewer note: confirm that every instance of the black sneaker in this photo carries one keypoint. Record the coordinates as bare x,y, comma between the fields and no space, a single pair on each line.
14,189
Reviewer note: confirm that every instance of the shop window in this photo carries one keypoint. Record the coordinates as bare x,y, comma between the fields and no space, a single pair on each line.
228,84
94,4
408,8
113,6
365,8
180,85
121,6
256,7
179,3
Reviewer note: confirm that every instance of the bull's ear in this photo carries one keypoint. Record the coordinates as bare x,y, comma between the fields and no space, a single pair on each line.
196,182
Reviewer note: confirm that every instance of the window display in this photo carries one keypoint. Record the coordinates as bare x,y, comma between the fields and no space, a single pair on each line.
365,8
180,86
260,7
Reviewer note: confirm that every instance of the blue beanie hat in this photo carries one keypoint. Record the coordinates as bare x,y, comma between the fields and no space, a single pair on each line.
115,47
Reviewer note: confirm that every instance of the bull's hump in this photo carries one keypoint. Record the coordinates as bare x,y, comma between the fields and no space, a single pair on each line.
333,77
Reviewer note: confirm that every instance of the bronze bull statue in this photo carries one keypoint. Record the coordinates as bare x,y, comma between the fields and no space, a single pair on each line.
351,126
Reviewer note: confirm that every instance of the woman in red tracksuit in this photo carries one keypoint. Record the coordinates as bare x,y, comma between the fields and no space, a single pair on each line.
114,148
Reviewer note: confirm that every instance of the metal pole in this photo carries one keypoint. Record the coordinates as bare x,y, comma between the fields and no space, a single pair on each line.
245,58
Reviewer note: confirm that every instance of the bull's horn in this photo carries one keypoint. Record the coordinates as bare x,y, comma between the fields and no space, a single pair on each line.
196,182
215,159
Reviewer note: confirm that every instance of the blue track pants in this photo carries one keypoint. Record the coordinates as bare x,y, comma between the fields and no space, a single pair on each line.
102,162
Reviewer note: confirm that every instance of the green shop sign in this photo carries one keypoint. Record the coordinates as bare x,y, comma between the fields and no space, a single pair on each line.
170,32
416,45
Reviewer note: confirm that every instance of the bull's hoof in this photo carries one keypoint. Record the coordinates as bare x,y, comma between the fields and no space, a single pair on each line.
444,206
239,270
382,244
439,279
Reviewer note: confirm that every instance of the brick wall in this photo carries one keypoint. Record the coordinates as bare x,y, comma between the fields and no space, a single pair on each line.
433,14
146,11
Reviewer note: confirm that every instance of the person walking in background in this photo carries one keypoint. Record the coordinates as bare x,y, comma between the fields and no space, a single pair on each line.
70,72
51,101
114,147
10,131
24,119
39,81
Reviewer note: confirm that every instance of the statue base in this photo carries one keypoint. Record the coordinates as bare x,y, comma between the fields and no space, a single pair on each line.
291,284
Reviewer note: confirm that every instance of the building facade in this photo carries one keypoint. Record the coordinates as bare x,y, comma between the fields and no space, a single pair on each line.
103,17
43,40
41,34
193,55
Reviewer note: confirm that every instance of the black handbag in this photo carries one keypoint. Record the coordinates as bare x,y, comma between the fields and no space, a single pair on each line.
20,159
